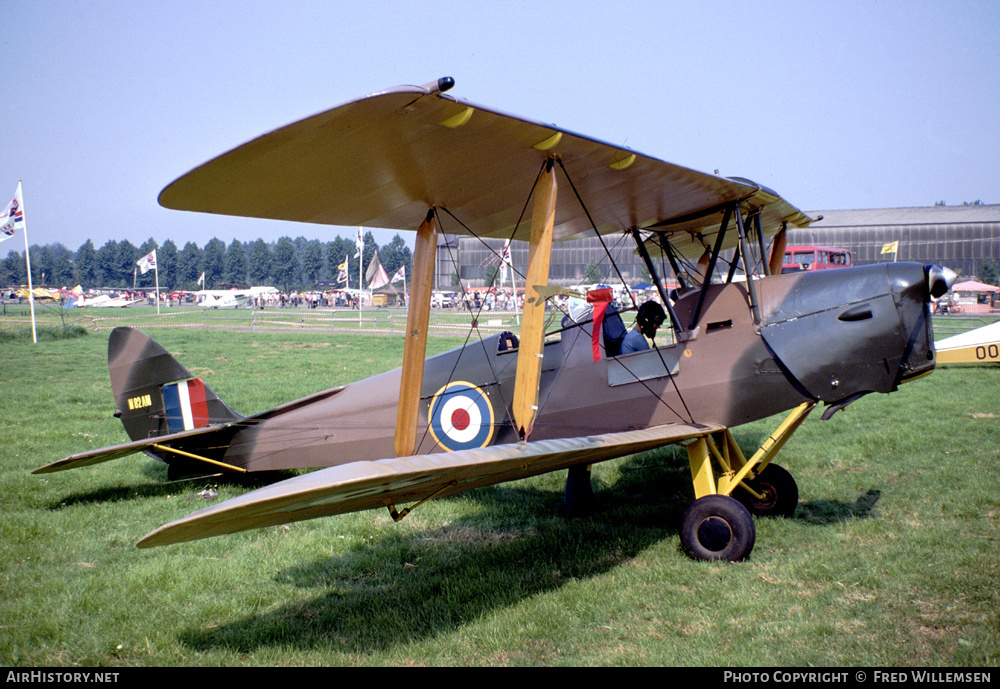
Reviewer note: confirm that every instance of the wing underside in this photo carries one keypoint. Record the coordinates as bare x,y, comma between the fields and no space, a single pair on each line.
383,160
365,485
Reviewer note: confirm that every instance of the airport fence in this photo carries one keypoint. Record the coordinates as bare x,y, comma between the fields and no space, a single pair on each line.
948,325
320,320
390,321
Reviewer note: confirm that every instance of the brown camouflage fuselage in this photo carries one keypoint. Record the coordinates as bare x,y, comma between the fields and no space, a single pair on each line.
826,336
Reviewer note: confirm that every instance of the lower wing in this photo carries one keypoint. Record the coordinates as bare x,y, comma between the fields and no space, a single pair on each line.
383,483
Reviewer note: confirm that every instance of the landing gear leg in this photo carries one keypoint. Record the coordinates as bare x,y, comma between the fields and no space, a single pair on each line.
715,526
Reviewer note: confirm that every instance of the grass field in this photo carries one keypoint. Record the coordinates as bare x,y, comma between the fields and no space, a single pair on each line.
892,559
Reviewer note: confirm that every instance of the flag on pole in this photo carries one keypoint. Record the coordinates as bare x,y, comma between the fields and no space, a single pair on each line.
10,220
373,267
400,275
342,272
359,243
147,262
891,247
381,279
201,280
12,217
505,264
376,275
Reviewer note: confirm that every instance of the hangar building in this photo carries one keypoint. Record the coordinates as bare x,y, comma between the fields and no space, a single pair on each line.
958,237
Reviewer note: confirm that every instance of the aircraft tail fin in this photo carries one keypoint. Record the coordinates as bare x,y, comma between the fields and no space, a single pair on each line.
154,394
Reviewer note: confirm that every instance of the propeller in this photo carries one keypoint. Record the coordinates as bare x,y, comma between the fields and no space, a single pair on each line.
939,280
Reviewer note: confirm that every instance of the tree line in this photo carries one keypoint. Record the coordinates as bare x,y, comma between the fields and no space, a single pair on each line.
288,264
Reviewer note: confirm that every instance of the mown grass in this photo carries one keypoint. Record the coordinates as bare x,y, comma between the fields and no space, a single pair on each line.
891,560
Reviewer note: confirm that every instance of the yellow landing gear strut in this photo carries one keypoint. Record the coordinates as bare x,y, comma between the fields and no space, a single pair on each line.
718,525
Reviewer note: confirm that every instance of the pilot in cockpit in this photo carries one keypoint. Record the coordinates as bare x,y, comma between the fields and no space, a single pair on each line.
650,317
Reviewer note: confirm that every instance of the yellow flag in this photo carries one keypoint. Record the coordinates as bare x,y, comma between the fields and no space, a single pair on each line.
891,247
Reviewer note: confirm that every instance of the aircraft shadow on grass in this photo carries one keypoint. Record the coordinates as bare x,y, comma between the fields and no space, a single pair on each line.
399,588
407,585
836,511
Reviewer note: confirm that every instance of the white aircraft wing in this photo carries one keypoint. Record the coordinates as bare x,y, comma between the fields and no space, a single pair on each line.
979,346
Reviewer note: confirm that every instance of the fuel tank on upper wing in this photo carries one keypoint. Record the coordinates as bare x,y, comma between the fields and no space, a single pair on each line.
846,332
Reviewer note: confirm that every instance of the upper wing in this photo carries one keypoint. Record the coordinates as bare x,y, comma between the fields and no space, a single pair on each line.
383,160
691,235
364,485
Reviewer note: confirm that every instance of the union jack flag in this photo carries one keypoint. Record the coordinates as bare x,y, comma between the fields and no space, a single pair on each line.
505,255
147,262
12,216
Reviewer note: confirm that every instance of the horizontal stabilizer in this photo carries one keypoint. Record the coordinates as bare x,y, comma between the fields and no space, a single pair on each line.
365,485
106,454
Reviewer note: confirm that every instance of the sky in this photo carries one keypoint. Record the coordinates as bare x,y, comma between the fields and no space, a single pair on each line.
834,105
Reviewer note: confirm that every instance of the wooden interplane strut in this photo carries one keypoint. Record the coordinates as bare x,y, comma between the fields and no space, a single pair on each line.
529,356
415,344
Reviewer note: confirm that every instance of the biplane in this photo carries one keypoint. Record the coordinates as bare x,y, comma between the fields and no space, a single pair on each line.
740,341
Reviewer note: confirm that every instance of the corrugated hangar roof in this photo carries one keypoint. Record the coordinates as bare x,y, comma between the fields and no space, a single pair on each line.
923,215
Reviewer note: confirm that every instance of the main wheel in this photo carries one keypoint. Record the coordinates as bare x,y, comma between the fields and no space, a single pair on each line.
717,527
780,493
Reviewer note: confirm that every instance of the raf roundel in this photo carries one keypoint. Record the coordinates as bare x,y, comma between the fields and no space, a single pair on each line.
461,417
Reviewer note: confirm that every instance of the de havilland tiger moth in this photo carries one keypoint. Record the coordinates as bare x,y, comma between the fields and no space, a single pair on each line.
555,396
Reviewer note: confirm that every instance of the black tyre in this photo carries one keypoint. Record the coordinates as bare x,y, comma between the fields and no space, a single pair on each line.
781,494
717,527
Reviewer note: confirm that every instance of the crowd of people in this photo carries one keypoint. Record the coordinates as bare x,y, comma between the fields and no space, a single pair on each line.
483,300
474,300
